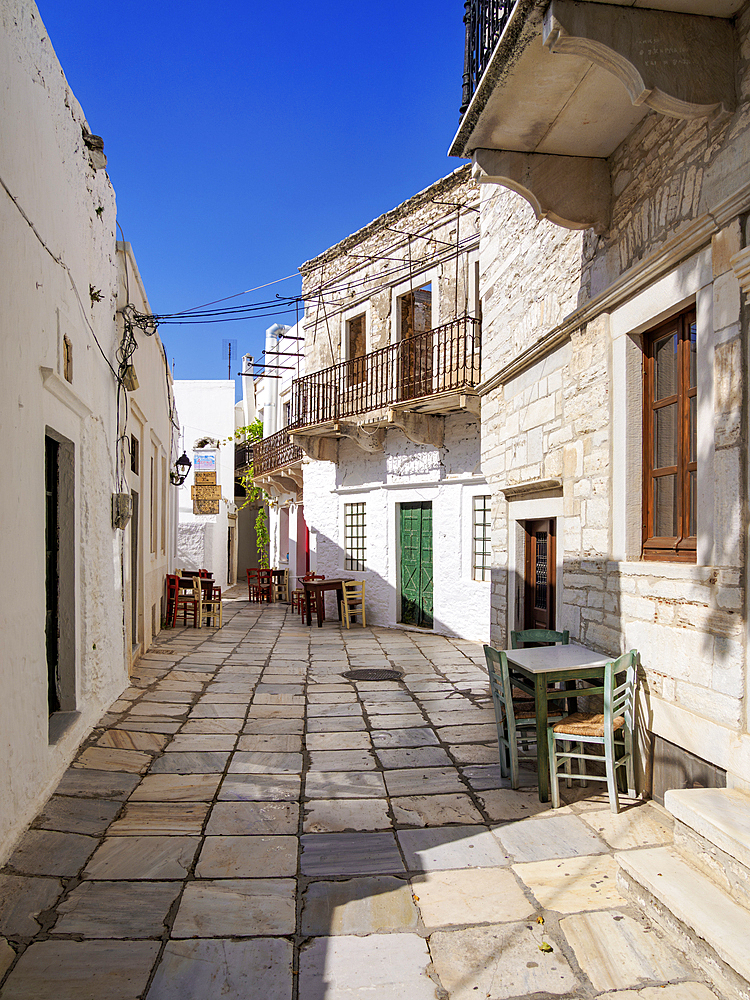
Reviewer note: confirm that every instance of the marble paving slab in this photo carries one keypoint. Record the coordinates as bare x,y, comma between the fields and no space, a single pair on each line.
435,810
341,760
236,908
22,899
467,734
197,742
73,970
338,815
177,788
338,741
337,725
96,784
160,818
423,781
442,848
499,961
541,837
121,739
48,852
350,854
382,966
200,969
416,757
246,818
265,762
470,896
261,787
247,857
411,721
199,762
130,858
573,884
212,726
90,816
358,906
270,743
421,736
117,909
344,784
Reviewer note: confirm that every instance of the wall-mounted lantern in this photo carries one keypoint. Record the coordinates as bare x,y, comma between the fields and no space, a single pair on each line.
181,469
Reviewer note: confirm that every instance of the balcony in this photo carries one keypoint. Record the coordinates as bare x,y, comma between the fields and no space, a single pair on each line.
277,465
551,89
430,374
243,457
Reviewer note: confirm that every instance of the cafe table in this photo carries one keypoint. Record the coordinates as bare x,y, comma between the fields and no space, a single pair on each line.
536,668
316,589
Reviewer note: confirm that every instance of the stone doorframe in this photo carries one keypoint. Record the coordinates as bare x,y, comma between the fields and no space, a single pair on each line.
520,511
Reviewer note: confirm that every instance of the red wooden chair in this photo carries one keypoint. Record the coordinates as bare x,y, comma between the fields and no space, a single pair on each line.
173,585
298,594
252,584
265,585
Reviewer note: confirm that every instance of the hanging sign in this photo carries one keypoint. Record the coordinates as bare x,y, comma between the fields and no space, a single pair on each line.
205,478
204,462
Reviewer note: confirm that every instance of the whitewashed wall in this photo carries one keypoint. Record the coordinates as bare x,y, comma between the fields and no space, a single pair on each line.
57,219
448,478
206,409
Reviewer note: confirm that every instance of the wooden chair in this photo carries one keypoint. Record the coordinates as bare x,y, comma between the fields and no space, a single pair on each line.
185,601
298,594
515,717
538,637
353,603
173,586
209,606
264,586
281,585
584,729
252,584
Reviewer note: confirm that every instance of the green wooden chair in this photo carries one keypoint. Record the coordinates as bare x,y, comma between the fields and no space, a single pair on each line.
515,715
538,636
612,730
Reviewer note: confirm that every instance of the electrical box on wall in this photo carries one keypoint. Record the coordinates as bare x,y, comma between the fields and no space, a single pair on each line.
122,509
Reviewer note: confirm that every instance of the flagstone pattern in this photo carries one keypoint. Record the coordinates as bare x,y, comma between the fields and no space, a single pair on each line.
247,822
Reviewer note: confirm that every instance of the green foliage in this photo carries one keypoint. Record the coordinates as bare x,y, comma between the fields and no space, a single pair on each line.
253,493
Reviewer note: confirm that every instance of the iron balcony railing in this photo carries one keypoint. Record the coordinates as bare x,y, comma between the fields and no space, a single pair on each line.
275,452
243,456
445,359
484,20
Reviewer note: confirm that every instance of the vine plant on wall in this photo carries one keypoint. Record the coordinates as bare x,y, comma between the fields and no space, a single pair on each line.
253,493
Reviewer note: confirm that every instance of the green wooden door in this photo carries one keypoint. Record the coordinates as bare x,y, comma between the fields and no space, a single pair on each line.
416,564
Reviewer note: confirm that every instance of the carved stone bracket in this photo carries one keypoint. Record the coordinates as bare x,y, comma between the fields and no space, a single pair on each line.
741,267
681,65
421,428
322,449
572,191
369,441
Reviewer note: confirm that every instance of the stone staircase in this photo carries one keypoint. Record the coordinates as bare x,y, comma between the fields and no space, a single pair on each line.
698,890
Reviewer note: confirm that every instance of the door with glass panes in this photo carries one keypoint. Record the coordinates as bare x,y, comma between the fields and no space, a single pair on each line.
539,574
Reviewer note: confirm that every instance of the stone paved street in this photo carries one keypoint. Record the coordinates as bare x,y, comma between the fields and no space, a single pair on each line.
248,823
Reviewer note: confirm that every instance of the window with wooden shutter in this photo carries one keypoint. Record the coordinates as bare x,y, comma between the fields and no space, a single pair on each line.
670,440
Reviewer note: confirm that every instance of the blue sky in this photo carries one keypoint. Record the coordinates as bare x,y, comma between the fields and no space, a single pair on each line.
244,138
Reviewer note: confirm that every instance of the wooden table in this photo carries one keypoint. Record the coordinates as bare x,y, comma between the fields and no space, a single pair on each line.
317,589
541,666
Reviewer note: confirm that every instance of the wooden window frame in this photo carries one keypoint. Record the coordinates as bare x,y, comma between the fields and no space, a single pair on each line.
681,547
355,536
481,535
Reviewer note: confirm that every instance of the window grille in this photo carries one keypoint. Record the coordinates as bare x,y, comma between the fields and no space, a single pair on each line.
482,548
354,536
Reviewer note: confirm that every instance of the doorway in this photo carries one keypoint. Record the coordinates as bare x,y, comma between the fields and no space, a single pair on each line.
539,574
60,574
415,326
416,564
134,533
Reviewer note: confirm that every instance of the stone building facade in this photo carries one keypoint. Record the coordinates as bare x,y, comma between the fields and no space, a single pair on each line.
570,296
387,413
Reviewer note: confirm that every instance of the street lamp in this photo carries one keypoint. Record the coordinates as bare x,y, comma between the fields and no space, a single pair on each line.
181,469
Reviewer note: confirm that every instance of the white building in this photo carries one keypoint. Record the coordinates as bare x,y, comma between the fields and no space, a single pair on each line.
66,647
387,414
207,421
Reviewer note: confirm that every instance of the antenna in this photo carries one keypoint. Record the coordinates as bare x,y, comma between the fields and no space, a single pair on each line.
228,348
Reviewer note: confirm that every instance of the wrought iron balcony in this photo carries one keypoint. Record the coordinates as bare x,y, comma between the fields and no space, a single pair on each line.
243,456
421,371
274,453
484,20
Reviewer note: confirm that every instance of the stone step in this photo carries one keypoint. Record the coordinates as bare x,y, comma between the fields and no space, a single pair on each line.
703,919
720,816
